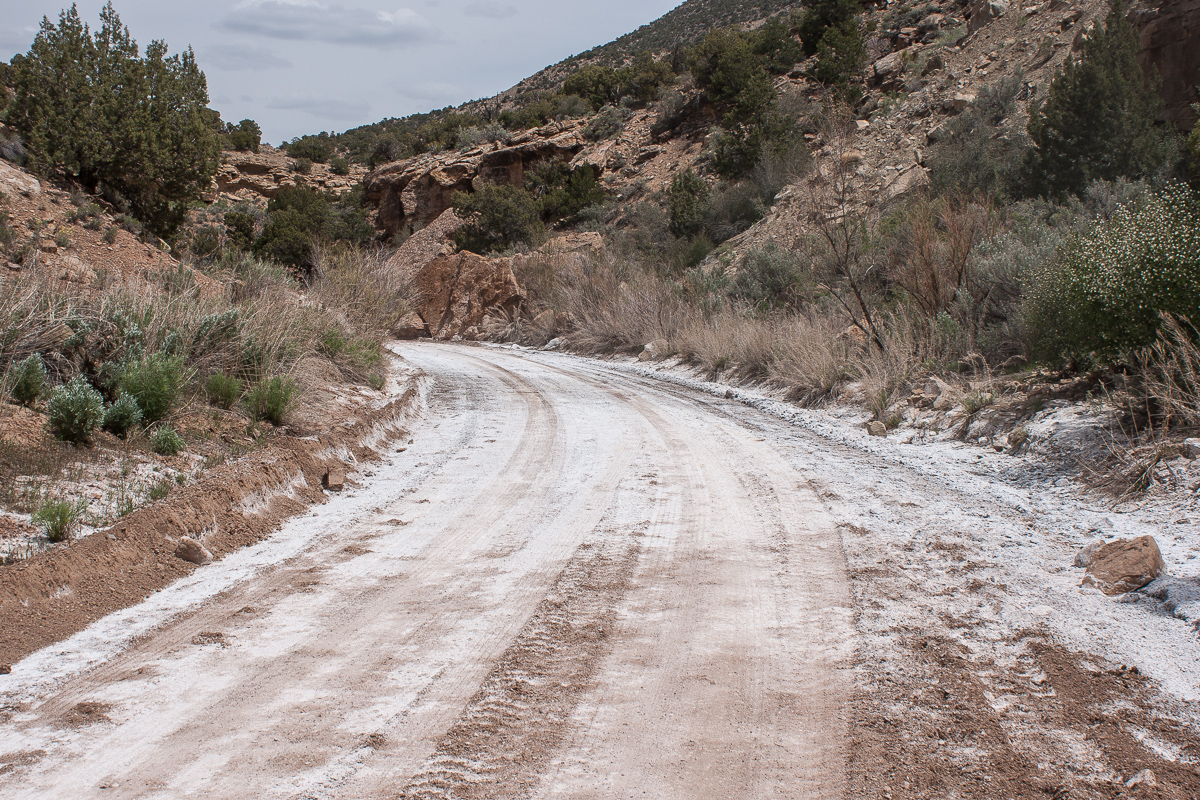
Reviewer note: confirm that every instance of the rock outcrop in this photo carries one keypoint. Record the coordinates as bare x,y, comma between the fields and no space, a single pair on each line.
411,194
455,293
17,183
1170,31
257,177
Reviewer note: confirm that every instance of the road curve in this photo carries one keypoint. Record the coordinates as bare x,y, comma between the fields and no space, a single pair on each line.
574,583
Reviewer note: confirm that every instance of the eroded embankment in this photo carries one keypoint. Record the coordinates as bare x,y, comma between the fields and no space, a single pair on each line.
58,593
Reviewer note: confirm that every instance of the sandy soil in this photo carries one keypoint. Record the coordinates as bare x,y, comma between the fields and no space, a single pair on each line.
563,587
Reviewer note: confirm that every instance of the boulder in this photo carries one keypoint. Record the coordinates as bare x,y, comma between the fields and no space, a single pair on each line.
1125,565
1191,449
16,183
876,428
889,67
5,669
192,551
334,479
456,292
982,12
74,270
654,350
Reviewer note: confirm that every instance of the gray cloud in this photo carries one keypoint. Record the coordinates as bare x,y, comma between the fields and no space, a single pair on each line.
490,10
242,57
309,20
16,40
322,107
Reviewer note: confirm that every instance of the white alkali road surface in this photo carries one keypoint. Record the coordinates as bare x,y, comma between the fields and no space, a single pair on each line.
574,582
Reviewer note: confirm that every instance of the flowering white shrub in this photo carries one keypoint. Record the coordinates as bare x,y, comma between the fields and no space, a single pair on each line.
1106,294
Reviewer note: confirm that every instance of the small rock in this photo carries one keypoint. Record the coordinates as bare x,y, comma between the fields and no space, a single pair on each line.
1088,554
192,551
961,101
862,124
1125,565
5,669
1191,449
934,63
656,349
1145,778
334,480
876,428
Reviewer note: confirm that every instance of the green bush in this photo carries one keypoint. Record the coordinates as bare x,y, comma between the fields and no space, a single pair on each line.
28,379
829,29
245,136
166,441
733,77
271,398
1113,282
302,166
122,415
597,84
222,390
561,192
75,410
981,154
685,203
339,166
768,278
317,148
497,218
239,229
156,383
59,518
1099,118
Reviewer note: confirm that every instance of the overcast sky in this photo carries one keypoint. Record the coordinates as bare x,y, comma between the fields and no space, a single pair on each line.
303,66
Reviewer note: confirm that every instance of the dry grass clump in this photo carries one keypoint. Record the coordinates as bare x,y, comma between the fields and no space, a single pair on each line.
373,294
1171,373
813,355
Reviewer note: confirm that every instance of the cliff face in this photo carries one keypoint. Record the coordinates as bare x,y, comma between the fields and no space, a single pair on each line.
1170,32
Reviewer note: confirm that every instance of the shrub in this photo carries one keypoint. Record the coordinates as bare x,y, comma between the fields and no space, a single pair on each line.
497,218
981,154
155,383
28,379
685,202
271,398
239,229
313,148
733,77
166,441
561,192
605,125
302,166
599,85
768,278
110,235
59,518
75,410
122,415
1098,121
1114,281
222,390
829,29
339,166
246,135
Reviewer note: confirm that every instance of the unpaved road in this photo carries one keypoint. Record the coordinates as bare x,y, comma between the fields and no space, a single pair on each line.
571,584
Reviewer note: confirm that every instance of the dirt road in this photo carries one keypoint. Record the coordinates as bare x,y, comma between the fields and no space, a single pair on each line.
571,584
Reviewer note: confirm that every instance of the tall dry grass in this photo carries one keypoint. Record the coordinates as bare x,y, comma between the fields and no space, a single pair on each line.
1171,373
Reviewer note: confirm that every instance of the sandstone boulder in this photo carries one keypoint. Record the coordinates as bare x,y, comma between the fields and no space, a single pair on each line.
876,428
982,12
192,551
1191,449
1125,565
456,292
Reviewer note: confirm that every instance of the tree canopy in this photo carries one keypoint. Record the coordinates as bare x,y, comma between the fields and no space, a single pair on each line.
135,127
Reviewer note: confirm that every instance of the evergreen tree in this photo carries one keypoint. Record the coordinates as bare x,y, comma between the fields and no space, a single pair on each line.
135,128
1098,121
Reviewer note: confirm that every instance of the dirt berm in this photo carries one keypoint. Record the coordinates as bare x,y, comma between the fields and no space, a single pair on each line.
59,592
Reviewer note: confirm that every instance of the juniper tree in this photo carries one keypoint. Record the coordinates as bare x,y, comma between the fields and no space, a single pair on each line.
136,128
1098,120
